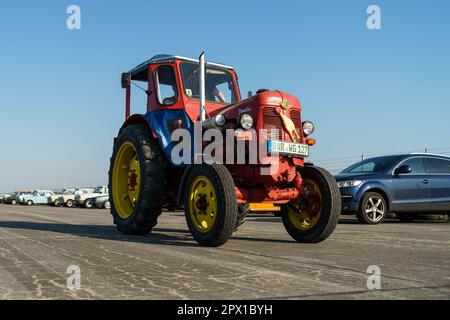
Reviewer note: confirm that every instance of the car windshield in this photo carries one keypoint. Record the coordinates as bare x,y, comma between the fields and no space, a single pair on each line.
372,165
219,86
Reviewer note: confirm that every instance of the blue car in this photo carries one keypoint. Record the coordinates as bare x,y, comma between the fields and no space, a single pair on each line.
403,184
37,197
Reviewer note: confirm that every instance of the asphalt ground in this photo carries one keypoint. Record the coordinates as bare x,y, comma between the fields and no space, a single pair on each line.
42,249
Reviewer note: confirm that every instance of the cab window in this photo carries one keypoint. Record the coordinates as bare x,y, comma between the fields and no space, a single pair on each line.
166,85
219,85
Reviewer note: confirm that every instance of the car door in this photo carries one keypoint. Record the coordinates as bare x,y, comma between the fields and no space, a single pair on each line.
439,170
40,198
411,192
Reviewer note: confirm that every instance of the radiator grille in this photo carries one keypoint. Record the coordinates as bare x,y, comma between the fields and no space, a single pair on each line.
295,117
272,121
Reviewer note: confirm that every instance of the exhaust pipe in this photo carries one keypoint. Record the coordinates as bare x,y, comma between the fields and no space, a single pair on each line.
202,87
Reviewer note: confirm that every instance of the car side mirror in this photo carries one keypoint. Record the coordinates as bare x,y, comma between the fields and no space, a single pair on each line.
403,169
126,80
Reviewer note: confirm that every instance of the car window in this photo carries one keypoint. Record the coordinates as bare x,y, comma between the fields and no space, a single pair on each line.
365,167
438,166
416,164
380,164
166,85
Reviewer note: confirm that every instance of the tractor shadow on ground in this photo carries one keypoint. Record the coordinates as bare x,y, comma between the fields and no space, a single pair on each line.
158,236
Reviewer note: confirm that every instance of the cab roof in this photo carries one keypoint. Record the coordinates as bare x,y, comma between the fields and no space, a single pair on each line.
140,72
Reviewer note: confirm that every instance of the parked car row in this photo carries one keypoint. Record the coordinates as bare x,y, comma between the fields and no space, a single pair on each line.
406,184
83,197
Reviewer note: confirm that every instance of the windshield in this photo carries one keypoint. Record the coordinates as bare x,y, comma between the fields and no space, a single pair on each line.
219,86
380,164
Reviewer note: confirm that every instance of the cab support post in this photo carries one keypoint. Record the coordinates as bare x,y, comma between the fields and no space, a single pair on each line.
127,102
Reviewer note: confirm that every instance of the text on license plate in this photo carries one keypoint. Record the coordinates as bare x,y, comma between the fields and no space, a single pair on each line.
288,148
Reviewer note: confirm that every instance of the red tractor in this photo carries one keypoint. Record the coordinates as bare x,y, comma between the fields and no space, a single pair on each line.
196,96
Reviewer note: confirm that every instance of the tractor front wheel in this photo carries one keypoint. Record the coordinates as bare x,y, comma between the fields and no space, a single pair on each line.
137,180
210,204
313,216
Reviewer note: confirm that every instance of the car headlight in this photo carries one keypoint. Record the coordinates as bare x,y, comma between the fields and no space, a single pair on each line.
349,184
246,121
308,128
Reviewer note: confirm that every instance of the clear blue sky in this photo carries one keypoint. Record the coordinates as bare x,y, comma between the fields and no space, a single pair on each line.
369,92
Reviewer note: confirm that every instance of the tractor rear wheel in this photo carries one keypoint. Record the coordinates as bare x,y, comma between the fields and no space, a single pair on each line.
137,180
312,217
210,204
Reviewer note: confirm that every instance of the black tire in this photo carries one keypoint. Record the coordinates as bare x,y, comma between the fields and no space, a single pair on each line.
14,202
372,217
330,207
29,203
88,203
406,217
107,205
57,203
227,206
153,181
70,203
243,211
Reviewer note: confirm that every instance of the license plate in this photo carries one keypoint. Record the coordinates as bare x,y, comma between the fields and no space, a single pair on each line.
288,148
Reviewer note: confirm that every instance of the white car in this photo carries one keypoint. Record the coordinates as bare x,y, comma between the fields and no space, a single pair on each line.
69,199
55,199
87,200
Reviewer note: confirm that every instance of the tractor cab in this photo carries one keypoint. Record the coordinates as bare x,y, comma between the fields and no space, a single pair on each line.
173,82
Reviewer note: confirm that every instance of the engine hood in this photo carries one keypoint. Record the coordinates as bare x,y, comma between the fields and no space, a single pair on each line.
265,99
358,176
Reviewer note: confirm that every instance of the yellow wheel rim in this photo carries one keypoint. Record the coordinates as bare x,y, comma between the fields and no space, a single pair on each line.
306,218
126,180
202,204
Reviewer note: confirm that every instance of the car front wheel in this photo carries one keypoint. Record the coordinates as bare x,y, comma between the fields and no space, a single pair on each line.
373,209
69,203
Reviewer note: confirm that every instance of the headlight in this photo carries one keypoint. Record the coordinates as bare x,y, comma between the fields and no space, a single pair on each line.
219,120
349,184
246,121
308,128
